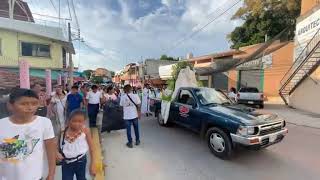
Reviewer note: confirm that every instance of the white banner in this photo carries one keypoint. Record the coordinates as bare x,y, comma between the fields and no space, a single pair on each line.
305,30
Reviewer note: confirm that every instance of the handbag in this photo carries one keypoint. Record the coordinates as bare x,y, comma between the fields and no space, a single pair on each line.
61,143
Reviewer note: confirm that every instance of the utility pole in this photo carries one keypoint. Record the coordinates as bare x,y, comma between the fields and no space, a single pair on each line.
79,50
59,14
70,59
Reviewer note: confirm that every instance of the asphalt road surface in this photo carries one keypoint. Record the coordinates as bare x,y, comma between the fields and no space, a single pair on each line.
177,154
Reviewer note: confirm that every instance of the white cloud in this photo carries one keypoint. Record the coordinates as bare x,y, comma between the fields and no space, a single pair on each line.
123,37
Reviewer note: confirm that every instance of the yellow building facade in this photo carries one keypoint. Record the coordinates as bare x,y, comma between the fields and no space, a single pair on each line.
11,50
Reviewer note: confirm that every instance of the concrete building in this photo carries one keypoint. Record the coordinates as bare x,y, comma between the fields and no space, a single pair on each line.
265,71
301,84
212,69
149,71
128,75
22,38
137,74
102,72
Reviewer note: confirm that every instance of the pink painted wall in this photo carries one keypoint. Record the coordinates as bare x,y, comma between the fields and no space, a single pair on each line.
24,74
48,82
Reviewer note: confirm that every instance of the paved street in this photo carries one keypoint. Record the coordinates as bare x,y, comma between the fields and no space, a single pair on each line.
178,154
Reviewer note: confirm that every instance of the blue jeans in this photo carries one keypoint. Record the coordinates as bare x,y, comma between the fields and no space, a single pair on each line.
93,110
77,168
135,124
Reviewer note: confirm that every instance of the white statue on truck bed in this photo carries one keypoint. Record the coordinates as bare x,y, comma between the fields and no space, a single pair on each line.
186,78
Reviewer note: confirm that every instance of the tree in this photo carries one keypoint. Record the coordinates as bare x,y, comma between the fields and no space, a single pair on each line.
112,73
97,79
168,58
88,73
175,73
264,17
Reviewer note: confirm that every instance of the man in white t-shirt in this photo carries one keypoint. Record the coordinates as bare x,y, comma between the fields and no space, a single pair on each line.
131,113
94,98
25,140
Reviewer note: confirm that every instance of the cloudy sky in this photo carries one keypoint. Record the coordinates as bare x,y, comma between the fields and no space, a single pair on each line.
124,31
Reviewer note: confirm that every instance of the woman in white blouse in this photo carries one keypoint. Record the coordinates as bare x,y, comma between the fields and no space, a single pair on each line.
58,104
109,94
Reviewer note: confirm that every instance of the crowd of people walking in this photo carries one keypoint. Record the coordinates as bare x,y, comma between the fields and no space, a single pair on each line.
55,124
51,124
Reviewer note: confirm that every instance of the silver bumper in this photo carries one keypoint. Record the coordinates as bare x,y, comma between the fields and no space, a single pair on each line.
256,140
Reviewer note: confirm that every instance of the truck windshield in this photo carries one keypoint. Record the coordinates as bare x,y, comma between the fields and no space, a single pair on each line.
208,96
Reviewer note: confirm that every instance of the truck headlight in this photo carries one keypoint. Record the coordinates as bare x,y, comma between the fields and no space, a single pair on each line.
246,130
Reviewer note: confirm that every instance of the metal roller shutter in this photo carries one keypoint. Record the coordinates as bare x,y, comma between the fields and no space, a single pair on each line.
220,81
252,78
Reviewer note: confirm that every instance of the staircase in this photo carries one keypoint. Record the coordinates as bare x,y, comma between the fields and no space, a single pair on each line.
306,63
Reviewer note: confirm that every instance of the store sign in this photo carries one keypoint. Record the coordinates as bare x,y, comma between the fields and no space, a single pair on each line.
305,30
260,63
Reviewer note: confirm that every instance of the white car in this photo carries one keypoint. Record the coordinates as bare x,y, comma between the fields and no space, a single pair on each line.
250,96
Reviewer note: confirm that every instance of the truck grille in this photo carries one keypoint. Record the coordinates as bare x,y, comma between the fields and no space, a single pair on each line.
269,131
271,128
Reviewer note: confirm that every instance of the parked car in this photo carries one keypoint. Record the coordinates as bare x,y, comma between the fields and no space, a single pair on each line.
222,123
250,96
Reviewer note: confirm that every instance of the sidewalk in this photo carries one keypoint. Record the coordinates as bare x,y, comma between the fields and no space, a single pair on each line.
294,116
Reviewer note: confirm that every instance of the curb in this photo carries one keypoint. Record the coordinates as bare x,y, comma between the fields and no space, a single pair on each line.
98,157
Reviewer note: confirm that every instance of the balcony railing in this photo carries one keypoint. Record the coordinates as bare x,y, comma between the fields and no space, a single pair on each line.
39,19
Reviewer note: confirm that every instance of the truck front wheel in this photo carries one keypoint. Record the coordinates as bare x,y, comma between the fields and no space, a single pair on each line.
219,143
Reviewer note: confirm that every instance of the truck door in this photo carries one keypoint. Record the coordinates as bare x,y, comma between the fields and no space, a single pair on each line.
187,110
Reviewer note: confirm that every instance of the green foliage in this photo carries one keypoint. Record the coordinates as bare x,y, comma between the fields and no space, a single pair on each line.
170,84
168,58
87,73
264,17
112,73
97,79
166,98
177,67
200,83
175,72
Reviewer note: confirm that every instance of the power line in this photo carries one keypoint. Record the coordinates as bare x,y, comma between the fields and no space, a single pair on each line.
34,4
69,9
31,2
75,15
203,27
212,13
53,6
98,52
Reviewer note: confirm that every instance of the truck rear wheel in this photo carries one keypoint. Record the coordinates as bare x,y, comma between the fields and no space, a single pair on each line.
219,143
